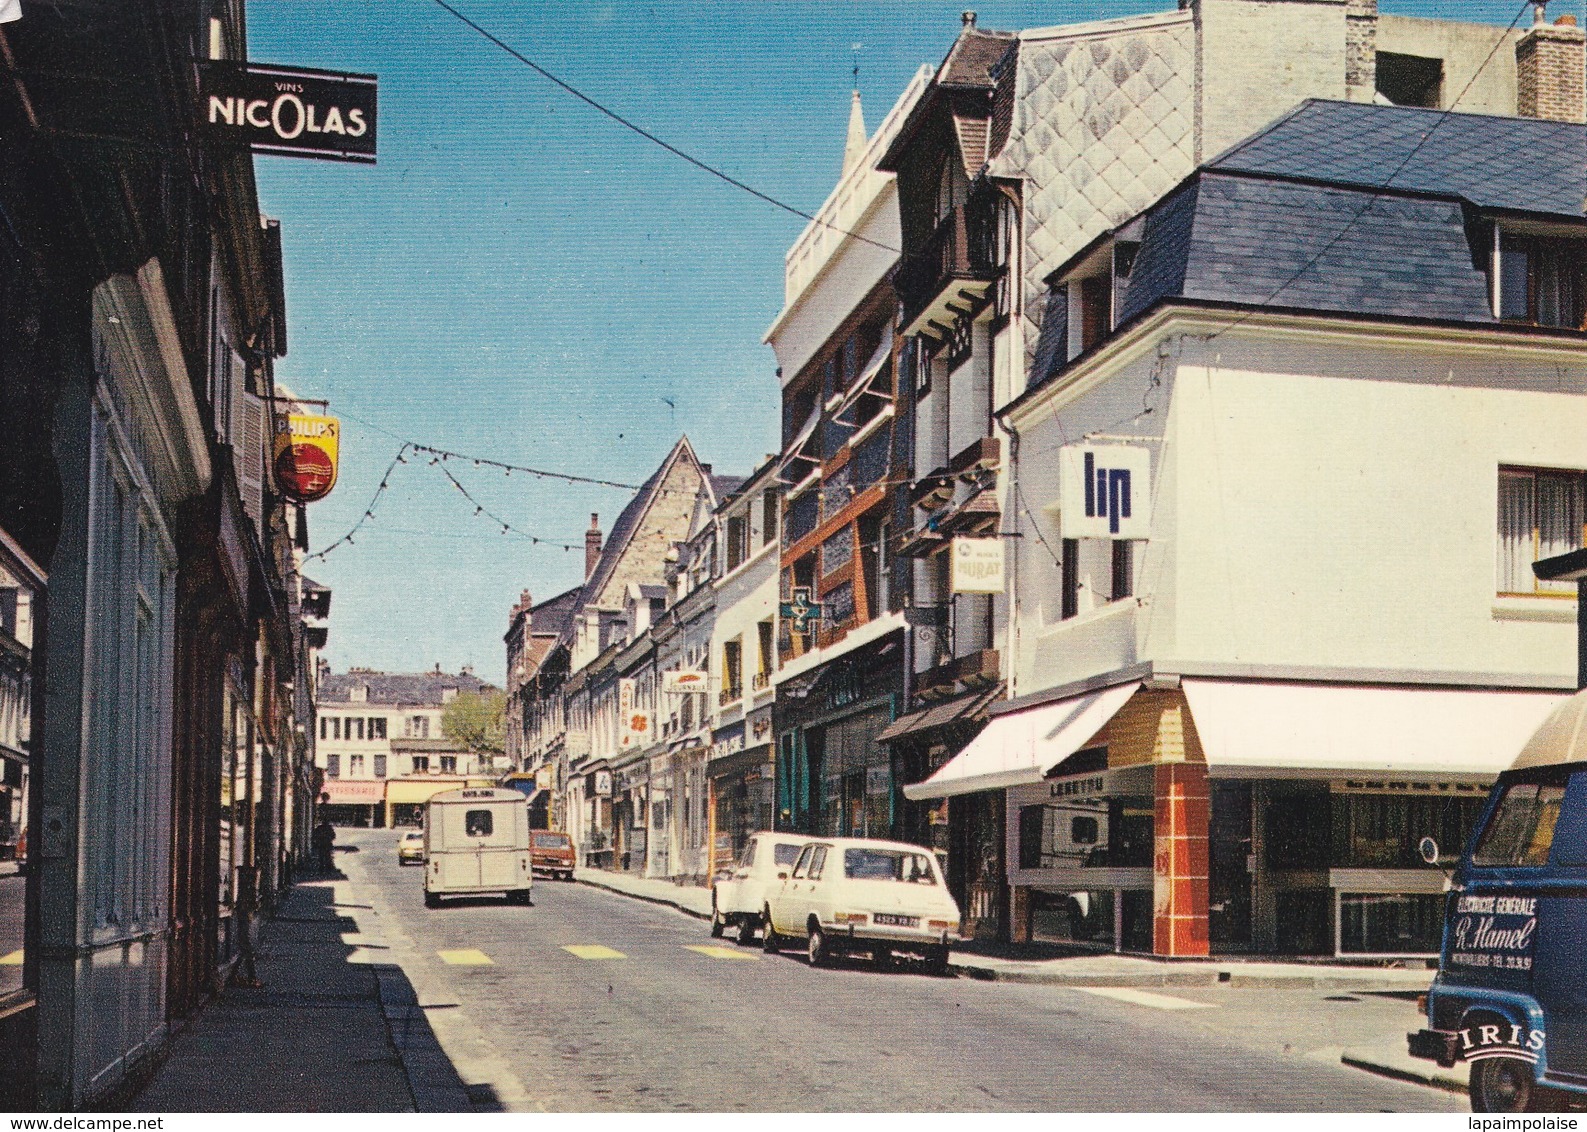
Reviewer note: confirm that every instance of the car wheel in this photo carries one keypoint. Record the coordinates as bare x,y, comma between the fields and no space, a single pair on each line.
746,930
1508,1084
718,925
937,960
819,950
518,896
431,900
883,957
769,940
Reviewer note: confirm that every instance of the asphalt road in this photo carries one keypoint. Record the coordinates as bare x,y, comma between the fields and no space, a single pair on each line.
589,1000
11,913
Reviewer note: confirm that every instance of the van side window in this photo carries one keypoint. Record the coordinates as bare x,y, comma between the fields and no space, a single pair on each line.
478,823
818,861
1521,829
746,859
804,862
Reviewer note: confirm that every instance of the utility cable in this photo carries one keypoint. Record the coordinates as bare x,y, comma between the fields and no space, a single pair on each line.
648,136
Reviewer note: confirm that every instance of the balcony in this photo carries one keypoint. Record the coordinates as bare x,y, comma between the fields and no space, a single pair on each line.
979,669
985,454
762,681
729,695
949,275
977,515
932,490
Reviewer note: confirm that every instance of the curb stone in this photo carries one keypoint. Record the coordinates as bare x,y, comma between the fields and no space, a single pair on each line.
1402,1067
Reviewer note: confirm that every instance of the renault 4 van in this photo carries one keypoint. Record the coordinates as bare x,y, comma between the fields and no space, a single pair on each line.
1510,998
476,842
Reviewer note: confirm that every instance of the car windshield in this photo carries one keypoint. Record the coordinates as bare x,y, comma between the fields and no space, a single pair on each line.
888,864
551,841
786,854
1521,831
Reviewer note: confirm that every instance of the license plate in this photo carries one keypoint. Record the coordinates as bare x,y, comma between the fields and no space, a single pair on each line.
897,921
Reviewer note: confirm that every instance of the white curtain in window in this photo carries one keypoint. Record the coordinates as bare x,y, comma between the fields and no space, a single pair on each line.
1517,542
1559,520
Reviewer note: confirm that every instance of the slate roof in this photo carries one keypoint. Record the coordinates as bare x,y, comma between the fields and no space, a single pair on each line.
628,522
419,688
724,486
1253,242
552,615
1523,164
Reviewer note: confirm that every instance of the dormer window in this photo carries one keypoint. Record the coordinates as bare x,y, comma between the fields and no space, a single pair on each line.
1543,280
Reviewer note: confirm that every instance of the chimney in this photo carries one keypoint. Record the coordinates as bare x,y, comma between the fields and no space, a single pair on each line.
1551,70
592,546
1361,50
967,19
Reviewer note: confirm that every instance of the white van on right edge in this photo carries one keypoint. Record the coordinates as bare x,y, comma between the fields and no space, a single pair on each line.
476,841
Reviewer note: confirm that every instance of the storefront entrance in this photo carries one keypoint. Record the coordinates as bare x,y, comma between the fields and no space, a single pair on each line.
1232,863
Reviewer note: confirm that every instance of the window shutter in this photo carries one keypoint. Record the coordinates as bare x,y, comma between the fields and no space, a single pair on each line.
250,455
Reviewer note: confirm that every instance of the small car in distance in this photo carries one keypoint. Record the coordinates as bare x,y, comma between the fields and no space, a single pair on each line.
410,848
739,894
551,854
852,895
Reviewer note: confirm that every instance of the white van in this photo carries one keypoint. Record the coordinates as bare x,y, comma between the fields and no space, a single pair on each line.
476,840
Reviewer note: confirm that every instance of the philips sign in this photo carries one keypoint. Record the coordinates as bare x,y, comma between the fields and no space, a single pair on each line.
1104,491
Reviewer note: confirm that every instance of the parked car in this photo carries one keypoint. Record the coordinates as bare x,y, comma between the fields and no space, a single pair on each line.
740,892
551,854
410,848
848,895
1510,999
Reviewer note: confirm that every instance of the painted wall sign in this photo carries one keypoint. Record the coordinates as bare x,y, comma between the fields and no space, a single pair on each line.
295,111
976,566
304,455
633,723
1494,932
1104,491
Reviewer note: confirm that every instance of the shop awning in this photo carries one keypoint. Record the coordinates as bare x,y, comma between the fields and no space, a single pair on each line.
956,710
411,791
1023,746
1273,729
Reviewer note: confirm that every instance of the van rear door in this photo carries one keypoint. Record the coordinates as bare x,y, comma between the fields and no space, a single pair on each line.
497,846
1559,971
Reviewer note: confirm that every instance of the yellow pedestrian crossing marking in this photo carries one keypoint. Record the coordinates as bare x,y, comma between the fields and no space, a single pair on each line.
1147,998
12,959
466,957
593,951
721,952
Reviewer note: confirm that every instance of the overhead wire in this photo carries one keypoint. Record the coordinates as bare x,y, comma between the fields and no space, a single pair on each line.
629,124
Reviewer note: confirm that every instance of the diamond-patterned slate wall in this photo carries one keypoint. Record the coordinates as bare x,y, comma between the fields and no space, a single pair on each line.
1103,128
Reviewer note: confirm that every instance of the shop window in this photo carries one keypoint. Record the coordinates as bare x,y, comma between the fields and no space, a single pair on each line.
1384,831
1296,834
1305,922
1376,923
1072,917
1089,833
1541,514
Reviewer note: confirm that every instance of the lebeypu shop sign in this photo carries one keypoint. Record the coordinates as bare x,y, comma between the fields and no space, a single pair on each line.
295,111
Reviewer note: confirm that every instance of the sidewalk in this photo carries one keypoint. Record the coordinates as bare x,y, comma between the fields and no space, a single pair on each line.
332,1029
1087,969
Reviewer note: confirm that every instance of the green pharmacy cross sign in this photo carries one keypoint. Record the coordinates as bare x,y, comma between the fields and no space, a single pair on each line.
800,611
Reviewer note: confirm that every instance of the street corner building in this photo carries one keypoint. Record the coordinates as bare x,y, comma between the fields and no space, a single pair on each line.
156,637
1152,537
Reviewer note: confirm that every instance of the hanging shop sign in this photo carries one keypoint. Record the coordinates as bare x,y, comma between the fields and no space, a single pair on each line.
633,723
304,455
976,566
799,611
294,111
682,680
603,784
1103,491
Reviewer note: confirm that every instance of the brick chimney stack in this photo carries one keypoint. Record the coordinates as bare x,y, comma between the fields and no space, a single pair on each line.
1551,70
592,546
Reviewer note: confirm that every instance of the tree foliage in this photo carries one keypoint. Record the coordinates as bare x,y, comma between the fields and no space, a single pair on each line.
473,720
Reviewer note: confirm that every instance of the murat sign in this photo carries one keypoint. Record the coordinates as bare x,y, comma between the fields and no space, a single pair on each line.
1104,491
291,110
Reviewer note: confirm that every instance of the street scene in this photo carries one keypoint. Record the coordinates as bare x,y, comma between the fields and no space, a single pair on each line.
870,557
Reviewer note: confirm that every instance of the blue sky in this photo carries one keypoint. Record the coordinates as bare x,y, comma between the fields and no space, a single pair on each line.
520,278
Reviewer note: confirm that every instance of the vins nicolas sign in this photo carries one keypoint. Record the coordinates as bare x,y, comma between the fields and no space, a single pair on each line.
291,110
